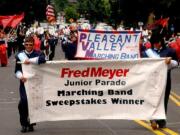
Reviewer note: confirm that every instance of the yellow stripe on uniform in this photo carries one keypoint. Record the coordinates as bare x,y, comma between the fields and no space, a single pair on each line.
142,123
175,95
169,131
174,100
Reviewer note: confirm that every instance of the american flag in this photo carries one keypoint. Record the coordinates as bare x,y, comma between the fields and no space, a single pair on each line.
50,15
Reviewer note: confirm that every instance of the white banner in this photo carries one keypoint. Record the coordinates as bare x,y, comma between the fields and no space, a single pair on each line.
103,89
108,44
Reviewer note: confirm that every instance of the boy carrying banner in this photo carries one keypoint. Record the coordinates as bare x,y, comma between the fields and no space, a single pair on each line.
27,56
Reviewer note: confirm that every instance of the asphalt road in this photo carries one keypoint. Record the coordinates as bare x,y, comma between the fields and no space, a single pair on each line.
9,117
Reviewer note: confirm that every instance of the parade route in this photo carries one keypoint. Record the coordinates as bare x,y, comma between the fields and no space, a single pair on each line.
9,116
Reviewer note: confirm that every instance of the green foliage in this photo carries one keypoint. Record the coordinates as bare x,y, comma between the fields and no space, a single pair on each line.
60,5
71,12
94,9
107,7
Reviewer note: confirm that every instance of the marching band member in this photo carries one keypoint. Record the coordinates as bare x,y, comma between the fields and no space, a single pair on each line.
11,41
27,56
3,47
160,50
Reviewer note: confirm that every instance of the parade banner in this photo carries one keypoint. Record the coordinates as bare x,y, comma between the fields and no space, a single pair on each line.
108,44
103,89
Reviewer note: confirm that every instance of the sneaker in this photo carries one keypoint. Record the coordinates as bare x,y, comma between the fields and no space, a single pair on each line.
154,124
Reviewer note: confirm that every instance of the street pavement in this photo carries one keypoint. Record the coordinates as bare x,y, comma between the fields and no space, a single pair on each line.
9,117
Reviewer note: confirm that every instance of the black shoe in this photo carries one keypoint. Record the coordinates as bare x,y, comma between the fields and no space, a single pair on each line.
24,129
162,123
34,124
30,128
3,65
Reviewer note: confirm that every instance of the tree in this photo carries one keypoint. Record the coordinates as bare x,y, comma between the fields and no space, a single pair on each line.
133,11
29,7
60,5
71,12
94,10
34,7
11,7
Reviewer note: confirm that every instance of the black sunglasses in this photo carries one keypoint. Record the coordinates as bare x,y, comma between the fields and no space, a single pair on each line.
28,44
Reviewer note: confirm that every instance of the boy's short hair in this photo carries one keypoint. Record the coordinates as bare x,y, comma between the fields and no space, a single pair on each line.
29,39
